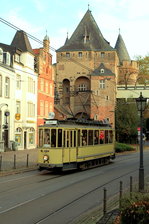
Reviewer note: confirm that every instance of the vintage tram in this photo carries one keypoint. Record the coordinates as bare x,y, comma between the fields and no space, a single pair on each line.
74,144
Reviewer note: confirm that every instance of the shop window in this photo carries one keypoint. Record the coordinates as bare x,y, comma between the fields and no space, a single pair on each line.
18,136
31,136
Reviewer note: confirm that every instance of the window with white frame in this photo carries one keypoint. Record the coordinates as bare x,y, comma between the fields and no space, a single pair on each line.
102,84
18,82
31,109
82,87
17,57
18,107
0,85
31,85
102,54
1,55
7,87
6,58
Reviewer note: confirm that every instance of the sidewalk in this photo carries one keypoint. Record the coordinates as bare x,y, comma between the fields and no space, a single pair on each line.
15,161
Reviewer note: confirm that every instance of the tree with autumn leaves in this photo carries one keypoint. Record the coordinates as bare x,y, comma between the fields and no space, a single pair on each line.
143,76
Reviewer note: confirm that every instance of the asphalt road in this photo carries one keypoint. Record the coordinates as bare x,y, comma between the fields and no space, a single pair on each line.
49,198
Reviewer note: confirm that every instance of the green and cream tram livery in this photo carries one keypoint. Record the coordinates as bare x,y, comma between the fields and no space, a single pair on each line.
74,144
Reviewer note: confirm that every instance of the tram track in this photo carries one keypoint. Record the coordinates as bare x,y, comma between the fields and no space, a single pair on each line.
82,196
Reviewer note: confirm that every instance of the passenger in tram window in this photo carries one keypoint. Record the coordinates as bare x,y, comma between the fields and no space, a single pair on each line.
83,141
101,137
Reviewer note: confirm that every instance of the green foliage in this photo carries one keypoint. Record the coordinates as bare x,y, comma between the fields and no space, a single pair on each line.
143,77
126,120
135,210
121,147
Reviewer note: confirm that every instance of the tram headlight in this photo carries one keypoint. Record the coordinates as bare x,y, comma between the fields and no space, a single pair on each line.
45,158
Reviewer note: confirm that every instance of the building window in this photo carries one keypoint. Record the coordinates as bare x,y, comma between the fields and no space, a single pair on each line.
18,82
31,109
46,108
82,87
18,136
67,55
102,54
31,136
41,107
0,85
31,85
41,84
18,107
107,97
47,87
17,57
51,90
6,58
102,70
102,84
80,54
1,55
7,86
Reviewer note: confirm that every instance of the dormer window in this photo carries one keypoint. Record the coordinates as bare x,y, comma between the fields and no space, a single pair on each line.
102,54
1,55
6,58
17,58
67,55
102,70
80,54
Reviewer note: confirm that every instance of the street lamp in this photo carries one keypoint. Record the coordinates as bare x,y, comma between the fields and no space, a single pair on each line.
141,103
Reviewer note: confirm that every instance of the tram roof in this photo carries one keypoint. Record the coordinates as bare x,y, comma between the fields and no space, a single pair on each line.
75,122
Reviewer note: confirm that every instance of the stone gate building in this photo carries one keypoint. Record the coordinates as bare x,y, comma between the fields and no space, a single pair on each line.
87,72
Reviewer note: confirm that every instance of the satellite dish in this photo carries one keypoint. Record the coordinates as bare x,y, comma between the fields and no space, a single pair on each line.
51,115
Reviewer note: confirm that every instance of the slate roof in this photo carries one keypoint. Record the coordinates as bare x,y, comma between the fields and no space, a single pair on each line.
98,71
121,49
21,41
87,36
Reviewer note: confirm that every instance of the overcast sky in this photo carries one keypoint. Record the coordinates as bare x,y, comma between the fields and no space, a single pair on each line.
61,16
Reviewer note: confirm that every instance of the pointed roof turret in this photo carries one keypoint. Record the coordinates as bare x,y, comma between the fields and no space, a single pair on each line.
21,41
121,49
87,36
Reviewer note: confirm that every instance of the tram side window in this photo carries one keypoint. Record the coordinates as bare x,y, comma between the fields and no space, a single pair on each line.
40,137
102,137
74,138
59,137
47,137
53,137
90,137
110,136
71,139
84,137
78,137
96,137
106,137
67,142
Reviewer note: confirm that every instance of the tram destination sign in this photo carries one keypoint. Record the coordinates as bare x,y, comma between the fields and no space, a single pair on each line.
51,122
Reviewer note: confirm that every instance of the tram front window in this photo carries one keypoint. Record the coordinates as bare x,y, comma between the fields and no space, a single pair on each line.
53,137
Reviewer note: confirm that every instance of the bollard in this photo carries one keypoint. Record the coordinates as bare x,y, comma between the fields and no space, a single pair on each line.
130,186
14,165
121,192
27,160
104,201
0,163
